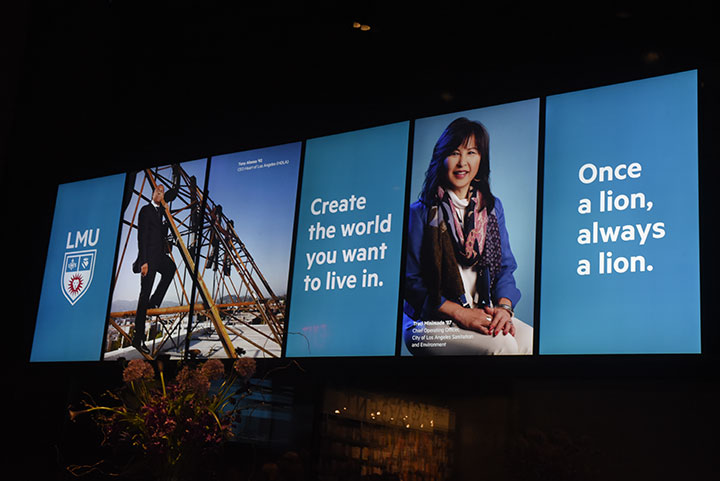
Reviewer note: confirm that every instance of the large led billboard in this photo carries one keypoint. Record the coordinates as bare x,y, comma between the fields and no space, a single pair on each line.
546,226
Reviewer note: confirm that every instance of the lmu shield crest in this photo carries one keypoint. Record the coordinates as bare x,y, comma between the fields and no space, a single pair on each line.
77,274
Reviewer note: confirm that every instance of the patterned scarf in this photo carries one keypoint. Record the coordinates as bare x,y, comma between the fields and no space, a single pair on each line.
475,241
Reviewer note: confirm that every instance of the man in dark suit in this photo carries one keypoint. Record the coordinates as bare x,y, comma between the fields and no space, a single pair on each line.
152,259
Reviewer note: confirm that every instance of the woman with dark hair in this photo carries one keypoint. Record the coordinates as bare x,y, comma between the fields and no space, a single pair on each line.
459,284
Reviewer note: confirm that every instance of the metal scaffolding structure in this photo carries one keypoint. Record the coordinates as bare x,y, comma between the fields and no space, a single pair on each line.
233,293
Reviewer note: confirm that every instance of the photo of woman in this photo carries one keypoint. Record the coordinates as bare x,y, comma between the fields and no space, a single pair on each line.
460,290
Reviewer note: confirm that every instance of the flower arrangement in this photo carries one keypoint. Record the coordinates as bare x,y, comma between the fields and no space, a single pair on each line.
169,426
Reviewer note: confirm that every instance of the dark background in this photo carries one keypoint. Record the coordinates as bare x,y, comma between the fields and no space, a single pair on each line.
90,88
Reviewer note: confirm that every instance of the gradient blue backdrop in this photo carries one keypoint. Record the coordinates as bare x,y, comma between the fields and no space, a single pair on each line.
653,122
66,332
513,130
360,321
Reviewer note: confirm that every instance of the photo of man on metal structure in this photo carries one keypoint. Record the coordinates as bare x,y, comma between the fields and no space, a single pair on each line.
211,299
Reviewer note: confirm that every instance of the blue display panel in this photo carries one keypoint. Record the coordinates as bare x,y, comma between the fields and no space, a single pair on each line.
620,256
258,190
78,271
344,294
513,134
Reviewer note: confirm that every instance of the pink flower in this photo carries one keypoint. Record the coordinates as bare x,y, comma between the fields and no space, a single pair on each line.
138,369
213,369
245,367
192,380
